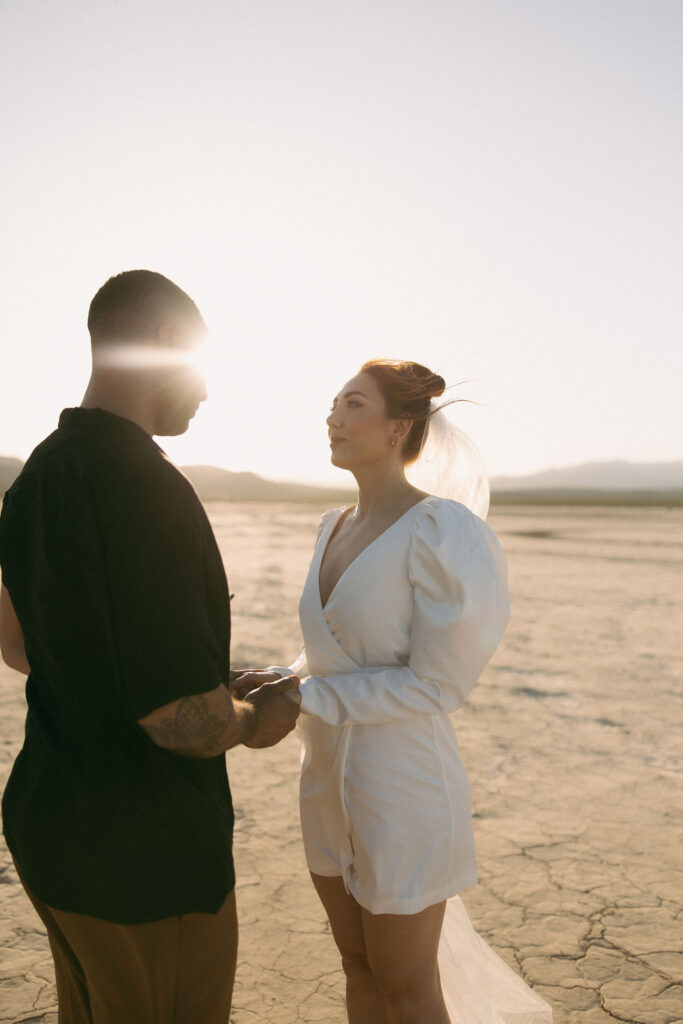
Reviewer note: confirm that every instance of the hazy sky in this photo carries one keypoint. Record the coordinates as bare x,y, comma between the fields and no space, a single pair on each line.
491,187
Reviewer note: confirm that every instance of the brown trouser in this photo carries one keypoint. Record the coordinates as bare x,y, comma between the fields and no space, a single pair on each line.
179,970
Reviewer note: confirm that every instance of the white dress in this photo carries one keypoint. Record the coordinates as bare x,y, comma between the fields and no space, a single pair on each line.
385,801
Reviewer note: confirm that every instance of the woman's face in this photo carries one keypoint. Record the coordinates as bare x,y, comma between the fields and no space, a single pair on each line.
360,431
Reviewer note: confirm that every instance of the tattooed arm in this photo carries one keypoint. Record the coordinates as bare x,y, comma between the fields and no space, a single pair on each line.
202,725
207,724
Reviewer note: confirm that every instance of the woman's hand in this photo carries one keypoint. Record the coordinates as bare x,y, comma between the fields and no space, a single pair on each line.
294,695
251,679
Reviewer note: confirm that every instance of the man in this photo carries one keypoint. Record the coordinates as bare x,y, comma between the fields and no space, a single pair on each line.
115,604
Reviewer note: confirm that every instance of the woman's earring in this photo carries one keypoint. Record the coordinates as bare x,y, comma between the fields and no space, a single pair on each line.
394,442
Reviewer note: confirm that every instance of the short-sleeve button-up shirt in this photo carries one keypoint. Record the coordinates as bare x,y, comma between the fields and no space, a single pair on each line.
118,584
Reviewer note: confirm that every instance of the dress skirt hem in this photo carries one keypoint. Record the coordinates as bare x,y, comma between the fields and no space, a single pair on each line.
410,904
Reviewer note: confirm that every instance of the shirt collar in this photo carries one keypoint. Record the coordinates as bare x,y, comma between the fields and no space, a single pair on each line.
100,419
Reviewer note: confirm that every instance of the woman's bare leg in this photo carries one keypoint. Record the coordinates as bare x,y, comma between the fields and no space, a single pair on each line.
402,953
390,960
365,1003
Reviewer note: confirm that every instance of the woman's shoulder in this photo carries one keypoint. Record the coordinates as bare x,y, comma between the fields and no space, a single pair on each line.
446,513
329,517
332,514
448,529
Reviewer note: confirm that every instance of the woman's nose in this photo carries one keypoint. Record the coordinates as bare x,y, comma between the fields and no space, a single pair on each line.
333,419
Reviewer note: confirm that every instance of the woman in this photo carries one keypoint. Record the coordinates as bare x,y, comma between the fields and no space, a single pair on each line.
405,602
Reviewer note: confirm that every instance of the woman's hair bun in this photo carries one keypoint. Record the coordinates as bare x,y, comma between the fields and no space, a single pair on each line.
433,384
439,386
407,389
402,380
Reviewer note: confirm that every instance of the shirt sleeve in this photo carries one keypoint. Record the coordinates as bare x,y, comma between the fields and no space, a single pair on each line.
461,608
158,576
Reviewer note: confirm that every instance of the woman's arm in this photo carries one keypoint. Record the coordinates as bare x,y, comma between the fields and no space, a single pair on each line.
11,635
457,572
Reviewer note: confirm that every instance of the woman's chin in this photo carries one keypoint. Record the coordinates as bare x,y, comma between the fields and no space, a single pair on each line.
338,460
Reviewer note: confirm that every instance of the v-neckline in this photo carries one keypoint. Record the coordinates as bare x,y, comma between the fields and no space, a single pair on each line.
324,604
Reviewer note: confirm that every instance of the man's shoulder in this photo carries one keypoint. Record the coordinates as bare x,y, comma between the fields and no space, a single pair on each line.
41,461
101,464
147,485
158,472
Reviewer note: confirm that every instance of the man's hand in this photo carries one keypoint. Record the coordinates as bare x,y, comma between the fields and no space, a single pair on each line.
207,724
277,710
242,683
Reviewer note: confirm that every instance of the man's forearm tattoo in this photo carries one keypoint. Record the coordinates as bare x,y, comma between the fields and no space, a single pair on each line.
193,727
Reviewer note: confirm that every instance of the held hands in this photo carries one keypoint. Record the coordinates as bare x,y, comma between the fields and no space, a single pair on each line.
276,703
242,683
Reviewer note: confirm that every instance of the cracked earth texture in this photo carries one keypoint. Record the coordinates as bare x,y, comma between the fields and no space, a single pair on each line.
573,743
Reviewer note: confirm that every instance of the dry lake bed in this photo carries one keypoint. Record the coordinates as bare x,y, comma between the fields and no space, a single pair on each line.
573,740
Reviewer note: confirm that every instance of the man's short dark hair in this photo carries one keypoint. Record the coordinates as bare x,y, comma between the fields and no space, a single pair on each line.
134,304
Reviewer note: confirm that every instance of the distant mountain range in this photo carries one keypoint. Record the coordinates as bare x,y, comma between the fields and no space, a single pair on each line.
9,469
605,483
213,484
613,482
600,476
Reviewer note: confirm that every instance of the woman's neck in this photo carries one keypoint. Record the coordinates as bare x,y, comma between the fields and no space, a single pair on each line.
383,490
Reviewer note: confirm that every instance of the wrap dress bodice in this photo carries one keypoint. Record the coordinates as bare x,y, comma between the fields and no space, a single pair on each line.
402,639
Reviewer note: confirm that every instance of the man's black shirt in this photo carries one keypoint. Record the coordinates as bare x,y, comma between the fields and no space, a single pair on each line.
118,584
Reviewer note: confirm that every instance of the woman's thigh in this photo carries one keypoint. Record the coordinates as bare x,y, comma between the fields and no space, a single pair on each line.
343,913
402,948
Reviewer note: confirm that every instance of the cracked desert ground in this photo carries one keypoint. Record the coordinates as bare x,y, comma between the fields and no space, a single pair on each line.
573,740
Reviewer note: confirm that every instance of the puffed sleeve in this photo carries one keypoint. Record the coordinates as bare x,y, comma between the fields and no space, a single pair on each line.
461,607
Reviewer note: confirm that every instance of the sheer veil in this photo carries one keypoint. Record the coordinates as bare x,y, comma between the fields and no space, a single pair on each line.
450,466
477,985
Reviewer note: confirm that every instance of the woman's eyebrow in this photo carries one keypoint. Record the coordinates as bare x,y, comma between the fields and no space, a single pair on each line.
347,394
